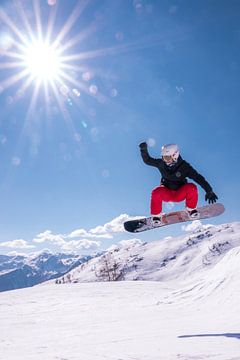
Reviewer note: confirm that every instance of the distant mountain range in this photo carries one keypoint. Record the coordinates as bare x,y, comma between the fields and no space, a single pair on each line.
24,271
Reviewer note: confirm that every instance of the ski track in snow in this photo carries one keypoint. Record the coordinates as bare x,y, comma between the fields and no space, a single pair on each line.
192,315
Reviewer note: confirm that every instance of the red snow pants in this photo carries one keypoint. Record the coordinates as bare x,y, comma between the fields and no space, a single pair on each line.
187,192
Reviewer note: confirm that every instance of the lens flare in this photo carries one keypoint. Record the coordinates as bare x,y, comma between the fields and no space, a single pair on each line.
42,61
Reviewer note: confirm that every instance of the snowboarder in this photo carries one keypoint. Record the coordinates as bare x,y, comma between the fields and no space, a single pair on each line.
174,185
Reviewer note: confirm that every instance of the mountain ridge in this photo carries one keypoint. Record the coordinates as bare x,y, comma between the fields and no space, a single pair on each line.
23,271
161,260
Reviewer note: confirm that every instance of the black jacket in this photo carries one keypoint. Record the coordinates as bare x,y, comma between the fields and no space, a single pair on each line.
173,177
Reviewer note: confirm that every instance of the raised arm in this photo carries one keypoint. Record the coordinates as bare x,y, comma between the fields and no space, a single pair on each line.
146,157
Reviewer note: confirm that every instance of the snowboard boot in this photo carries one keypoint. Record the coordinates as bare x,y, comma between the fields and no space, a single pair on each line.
193,213
156,219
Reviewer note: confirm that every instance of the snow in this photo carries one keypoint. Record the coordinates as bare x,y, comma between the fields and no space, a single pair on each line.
120,320
192,313
162,260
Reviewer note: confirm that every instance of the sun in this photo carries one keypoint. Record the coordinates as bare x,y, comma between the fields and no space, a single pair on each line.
47,64
42,61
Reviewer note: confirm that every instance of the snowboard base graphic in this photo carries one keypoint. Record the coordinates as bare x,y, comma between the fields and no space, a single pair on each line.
144,224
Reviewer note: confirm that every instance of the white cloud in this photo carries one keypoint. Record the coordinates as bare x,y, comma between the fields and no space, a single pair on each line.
84,233
78,233
114,226
82,244
197,224
18,244
67,242
63,242
102,231
47,235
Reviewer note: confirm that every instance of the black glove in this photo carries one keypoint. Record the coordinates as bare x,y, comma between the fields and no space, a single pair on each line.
211,197
143,146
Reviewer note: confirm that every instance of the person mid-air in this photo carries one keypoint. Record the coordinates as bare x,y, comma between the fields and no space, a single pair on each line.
174,186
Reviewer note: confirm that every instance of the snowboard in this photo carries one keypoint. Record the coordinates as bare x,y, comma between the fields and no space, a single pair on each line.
143,224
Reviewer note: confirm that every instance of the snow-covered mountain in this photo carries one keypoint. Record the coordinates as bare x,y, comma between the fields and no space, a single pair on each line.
190,313
23,271
163,260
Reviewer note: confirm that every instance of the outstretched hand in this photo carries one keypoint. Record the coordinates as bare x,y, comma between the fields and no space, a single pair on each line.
143,145
211,197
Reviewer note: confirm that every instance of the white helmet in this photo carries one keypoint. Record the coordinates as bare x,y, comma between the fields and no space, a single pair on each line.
170,153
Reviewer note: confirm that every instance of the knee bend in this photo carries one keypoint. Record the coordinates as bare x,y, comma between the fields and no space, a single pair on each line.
158,191
192,188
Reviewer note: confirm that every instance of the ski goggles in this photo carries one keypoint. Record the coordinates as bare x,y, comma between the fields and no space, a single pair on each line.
167,158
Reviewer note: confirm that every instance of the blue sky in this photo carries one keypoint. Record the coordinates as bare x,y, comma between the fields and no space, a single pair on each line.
160,71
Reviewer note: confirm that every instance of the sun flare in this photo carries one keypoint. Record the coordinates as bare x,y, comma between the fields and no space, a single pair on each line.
47,65
42,61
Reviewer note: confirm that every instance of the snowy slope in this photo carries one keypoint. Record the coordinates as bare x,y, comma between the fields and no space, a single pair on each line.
169,259
122,321
190,313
